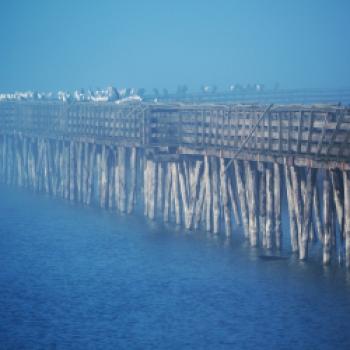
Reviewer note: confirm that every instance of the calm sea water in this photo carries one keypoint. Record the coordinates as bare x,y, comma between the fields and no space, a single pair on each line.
73,277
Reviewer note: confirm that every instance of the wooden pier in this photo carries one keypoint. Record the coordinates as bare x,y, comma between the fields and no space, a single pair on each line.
204,166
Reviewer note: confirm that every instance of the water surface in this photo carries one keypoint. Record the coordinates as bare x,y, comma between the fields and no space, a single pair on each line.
74,277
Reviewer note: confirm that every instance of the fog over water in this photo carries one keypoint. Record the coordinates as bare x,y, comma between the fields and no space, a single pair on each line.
52,45
75,277
79,277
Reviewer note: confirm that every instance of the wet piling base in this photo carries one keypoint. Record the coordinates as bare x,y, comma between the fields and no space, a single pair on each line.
196,192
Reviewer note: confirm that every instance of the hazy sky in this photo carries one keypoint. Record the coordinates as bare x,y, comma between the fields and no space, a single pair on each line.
50,45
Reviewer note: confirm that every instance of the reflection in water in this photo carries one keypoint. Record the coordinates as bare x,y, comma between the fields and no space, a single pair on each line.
74,277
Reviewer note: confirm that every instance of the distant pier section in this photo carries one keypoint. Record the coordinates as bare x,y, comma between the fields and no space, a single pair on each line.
212,166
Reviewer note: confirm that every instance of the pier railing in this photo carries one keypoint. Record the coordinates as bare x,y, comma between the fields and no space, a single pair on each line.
310,133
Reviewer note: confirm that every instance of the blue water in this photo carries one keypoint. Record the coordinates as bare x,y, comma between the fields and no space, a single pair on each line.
73,277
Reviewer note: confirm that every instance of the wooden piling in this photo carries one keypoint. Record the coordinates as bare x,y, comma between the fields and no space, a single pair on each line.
252,203
167,191
307,216
293,228
224,197
277,205
269,206
208,194
242,198
133,170
326,218
346,185
216,199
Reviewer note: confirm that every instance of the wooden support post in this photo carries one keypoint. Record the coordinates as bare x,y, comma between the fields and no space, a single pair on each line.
133,170
277,203
326,219
175,192
103,178
338,198
51,170
207,193
224,197
293,228
46,173
233,200
307,217
193,191
346,185
184,196
122,179
297,201
90,181
242,197
317,216
252,203
111,178
200,203
38,165
71,171
85,171
167,191
160,185
145,185
216,199
269,206
262,203
79,160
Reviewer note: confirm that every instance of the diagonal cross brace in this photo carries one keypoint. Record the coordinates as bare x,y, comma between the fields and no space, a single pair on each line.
249,135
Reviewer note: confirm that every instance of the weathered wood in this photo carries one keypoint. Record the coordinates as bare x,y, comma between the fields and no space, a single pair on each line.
317,216
216,199
346,184
252,203
72,164
262,203
91,174
193,190
67,164
133,170
122,179
269,207
183,192
338,198
111,178
103,178
66,170
175,191
224,197
297,199
326,219
85,172
146,171
160,185
167,191
307,215
200,202
293,228
277,204
79,160
208,193
233,200
242,198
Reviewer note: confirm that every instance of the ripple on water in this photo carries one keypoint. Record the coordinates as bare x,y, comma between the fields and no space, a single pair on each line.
73,277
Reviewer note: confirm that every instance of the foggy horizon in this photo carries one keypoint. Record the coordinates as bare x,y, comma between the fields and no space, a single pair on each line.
49,46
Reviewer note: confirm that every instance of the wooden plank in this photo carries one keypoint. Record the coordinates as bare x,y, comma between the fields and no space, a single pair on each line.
300,128
311,120
320,143
340,117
